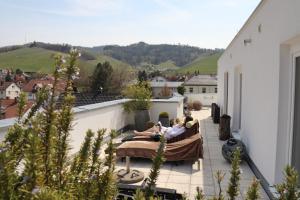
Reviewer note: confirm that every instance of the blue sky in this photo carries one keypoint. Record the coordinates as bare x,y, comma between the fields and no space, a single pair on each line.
203,23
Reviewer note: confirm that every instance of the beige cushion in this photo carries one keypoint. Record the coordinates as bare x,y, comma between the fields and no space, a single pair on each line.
190,124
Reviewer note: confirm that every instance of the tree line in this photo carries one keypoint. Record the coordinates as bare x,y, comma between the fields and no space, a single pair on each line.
139,53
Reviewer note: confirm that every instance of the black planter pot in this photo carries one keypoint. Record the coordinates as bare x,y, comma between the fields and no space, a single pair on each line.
230,146
164,121
216,114
213,105
141,118
224,127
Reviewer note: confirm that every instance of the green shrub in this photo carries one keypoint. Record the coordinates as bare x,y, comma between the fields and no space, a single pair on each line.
163,115
181,89
139,95
289,189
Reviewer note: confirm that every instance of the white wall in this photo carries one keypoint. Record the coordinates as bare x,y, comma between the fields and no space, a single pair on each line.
266,67
12,91
205,98
173,106
109,115
156,91
198,89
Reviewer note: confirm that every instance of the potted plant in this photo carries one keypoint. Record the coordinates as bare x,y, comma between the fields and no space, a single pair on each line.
140,96
164,119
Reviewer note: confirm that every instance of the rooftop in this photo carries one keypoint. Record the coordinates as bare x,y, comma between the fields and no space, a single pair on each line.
87,98
202,80
163,84
185,177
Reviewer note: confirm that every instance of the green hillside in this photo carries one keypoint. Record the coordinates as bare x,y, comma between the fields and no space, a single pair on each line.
42,60
28,59
168,65
205,65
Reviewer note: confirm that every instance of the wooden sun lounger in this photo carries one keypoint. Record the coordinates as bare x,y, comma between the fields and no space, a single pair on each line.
187,149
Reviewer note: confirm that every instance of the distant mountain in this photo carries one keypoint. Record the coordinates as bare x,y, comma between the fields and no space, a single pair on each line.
38,56
139,53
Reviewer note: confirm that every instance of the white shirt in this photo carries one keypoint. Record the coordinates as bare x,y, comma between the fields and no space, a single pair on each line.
170,132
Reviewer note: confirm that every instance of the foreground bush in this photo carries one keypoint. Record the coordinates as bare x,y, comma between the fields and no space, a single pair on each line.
34,158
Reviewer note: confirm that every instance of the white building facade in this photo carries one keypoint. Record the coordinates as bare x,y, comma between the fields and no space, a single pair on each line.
9,90
158,87
259,87
202,88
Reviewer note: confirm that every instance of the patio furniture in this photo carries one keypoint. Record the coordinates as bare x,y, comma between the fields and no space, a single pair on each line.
188,149
126,191
129,176
192,128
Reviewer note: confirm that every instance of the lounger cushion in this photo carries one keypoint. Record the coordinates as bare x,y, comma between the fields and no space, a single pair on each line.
138,149
190,124
188,149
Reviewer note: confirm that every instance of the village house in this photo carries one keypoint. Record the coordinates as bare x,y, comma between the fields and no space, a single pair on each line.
202,88
160,87
34,85
9,90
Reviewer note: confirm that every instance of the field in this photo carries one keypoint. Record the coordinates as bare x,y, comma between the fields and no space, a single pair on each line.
42,60
205,65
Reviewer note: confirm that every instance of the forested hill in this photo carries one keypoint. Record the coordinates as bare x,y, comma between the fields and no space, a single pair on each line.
38,56
139,53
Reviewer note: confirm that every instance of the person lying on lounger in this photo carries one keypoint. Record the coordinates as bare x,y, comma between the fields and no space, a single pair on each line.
168,132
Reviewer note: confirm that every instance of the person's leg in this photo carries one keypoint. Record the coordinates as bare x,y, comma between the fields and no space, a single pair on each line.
150,130
145,133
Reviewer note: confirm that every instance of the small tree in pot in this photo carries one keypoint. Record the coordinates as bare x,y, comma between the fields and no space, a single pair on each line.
164,119
140,96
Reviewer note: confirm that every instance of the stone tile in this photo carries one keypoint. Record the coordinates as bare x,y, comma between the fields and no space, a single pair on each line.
180,188
202,180
163,178
208,190
179,179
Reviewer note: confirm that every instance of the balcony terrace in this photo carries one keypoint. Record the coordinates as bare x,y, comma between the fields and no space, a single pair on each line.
185,177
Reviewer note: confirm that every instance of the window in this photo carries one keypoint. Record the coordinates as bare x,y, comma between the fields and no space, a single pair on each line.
204,90
216,90
191,90
13,87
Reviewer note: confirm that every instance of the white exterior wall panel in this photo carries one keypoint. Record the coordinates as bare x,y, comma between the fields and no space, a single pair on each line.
260,63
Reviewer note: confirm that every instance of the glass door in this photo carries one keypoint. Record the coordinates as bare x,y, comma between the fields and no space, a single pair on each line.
296,128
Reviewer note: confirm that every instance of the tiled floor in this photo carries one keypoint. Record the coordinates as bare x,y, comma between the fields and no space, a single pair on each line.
185,177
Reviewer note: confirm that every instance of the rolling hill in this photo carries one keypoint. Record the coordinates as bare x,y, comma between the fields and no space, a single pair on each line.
42,60
203,64
139,53
39,57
